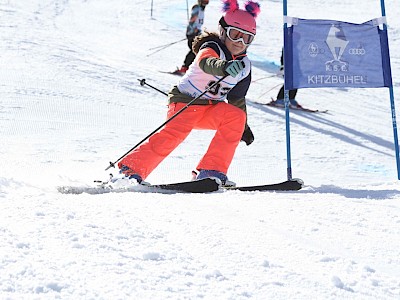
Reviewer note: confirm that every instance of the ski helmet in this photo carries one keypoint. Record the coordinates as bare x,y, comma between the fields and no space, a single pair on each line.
242,19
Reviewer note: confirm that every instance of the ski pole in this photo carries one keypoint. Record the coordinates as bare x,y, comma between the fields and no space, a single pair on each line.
167,45
143,82
159,48
112,164
270,76
275,86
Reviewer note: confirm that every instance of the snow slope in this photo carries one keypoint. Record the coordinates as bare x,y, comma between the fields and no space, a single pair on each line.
71,102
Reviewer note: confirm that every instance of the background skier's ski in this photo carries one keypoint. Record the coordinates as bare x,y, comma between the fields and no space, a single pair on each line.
293,107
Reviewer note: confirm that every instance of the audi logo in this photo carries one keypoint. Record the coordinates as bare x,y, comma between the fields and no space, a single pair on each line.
357,51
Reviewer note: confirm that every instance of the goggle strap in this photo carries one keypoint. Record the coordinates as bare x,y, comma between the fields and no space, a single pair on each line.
223,23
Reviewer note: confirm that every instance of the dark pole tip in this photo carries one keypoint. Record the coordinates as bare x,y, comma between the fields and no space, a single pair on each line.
112,165
142,82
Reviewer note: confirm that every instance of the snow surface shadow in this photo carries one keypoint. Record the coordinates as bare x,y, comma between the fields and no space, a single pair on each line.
319,119
353,193
265,65
374,139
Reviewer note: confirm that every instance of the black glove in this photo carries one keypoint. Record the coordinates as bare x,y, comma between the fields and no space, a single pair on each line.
248,136
281,72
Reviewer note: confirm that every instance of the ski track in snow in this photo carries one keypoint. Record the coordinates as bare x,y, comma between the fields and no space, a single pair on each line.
71,102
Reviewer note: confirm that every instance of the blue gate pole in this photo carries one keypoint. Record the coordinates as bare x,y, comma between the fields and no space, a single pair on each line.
288,156
393,110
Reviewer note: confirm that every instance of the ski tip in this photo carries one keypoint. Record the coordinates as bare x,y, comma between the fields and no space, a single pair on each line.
216,180
299,181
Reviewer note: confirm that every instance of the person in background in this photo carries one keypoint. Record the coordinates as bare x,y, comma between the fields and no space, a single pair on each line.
281,94
218,56
193,29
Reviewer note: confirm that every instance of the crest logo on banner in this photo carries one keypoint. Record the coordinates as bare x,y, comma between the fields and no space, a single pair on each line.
337,43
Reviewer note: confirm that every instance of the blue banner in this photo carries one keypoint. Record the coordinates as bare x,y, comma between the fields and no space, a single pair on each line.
326,53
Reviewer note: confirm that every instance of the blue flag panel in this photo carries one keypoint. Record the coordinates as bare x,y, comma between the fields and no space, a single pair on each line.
326,53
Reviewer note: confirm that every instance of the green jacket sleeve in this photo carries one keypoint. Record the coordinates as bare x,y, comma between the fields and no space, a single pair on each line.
213,66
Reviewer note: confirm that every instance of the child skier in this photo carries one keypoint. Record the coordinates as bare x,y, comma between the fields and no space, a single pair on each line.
217,55
193,29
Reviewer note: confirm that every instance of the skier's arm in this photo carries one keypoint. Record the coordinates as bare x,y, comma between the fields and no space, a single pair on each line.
210,62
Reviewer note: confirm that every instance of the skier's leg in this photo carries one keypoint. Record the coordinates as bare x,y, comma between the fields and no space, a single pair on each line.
281,93
229,121
149,155
190,56
292,94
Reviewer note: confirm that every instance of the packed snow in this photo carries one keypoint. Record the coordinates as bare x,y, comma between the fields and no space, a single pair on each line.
71,102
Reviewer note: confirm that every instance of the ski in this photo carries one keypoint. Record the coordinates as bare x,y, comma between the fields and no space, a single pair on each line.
205,185
172,73
289,185
294,107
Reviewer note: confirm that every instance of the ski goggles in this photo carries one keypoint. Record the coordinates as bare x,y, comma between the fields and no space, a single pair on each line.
236,35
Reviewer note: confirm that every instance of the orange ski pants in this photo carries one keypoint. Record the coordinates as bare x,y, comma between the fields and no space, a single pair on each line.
228,121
